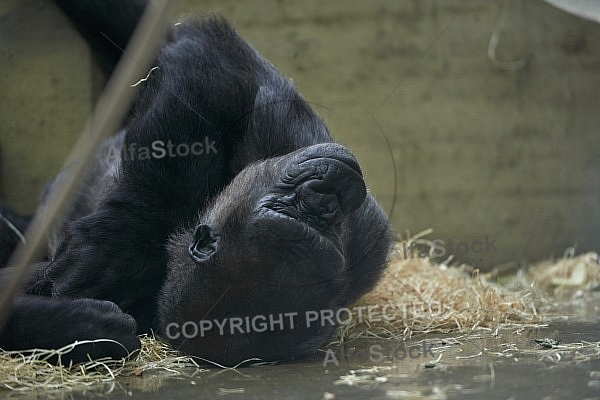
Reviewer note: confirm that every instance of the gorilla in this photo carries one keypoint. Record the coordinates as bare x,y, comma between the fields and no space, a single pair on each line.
221,251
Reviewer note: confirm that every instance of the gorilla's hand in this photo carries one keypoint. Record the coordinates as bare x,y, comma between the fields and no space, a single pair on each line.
115,254
53,323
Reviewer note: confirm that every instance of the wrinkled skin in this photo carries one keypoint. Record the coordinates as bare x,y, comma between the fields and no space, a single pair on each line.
277,219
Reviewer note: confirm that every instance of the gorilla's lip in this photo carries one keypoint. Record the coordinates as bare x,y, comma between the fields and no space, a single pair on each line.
267,212
349,161
305,230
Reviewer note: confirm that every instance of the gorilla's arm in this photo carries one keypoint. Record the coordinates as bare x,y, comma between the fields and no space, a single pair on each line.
38,322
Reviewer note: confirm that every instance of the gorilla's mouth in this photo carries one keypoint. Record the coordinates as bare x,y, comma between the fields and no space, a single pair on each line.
317,193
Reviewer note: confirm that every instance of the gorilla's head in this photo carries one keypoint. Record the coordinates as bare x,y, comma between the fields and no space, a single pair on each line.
270,248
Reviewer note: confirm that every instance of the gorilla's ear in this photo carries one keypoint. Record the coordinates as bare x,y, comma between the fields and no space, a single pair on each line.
205,243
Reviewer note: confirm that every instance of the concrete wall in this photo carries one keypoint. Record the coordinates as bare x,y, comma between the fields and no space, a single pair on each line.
473,151
45,97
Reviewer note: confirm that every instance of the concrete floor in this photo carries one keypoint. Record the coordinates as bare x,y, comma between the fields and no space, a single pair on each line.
510,365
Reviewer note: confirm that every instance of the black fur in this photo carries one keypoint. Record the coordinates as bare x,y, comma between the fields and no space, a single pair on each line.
276,220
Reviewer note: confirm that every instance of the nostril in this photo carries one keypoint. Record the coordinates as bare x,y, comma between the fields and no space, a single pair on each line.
322,208
329,203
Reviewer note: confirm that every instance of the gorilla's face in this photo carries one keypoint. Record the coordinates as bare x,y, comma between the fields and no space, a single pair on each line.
274,238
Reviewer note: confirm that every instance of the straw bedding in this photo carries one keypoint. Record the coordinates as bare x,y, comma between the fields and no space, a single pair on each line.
415,297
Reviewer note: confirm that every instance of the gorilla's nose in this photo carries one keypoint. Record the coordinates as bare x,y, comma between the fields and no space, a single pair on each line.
334,186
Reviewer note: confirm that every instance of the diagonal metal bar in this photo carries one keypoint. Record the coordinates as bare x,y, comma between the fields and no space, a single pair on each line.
108,113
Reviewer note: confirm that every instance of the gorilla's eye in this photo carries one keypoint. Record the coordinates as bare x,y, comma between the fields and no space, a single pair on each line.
204,245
